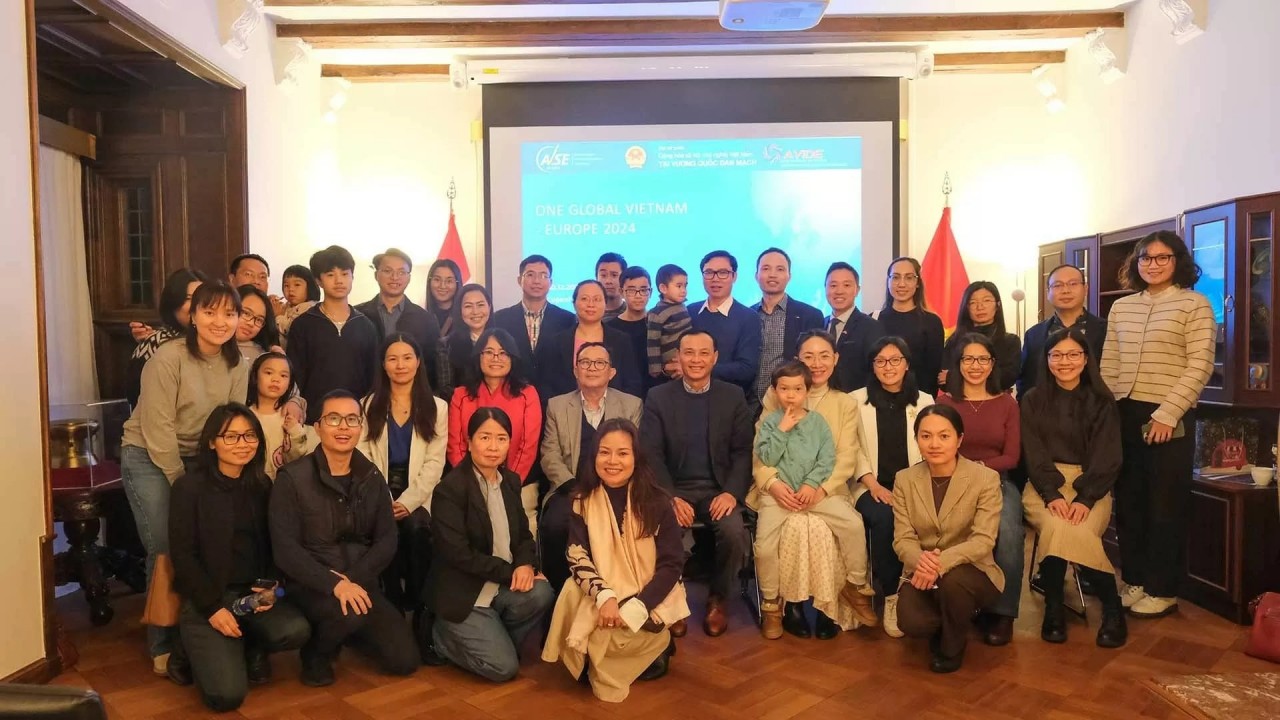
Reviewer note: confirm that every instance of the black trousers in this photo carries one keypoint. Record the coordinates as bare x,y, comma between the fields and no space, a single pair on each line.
218,662
1152,496
553,536
404,579
382,633
733,542
886,568
947,611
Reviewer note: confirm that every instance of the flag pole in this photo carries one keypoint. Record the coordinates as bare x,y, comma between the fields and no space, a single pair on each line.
946,189
451,194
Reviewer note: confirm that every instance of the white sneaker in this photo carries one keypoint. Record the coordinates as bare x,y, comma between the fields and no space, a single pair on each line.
1154,607
160,664
891,617
1131,595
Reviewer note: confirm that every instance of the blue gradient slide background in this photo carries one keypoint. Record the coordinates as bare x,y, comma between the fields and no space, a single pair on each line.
672,201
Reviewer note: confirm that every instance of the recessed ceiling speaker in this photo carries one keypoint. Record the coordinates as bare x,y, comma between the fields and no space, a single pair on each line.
771,15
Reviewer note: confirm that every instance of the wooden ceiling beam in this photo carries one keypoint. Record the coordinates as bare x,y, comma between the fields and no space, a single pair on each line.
665,31
996,62
386,73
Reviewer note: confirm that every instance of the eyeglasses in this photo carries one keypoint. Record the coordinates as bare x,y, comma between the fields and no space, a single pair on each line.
637,292
908,278
335,420
531,275
495,355
979,360
825,357
588,364
394,274
981,303
1069,356
250,318
1068,285
444,281
889,362
1157,260
717,274
248,436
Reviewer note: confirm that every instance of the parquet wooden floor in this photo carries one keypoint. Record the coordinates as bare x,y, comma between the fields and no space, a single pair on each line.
862,674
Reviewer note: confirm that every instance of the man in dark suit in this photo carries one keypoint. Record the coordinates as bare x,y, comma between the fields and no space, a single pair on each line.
392,312
853,329
533,318
697,432
1068,291
782,317
735,327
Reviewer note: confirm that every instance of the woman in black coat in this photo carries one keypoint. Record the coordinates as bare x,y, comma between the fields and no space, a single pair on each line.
483,588
221,552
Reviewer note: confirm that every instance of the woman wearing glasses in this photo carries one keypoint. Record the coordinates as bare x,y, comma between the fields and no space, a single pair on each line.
1071,440
904,315
887,409
181,385
470,318
496,378
981,312
946,514
991,439
555,355
257,332
1158,355
222,552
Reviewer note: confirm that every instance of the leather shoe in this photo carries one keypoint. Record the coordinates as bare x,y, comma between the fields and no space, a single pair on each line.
679,628
179,669
824,628
942,664
1054,627
659,667
257,665
999,631
717,621
317,670
793,620
423,622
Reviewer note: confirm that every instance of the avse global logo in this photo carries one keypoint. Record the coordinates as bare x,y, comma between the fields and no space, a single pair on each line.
549,158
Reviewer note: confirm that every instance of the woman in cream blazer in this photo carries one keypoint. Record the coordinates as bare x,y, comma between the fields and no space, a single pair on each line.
946,517
892,392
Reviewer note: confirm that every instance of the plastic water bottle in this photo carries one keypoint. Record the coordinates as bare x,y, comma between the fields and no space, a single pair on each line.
249,603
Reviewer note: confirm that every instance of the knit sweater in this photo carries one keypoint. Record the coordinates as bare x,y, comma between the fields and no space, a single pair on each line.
1160,350
179,391
666,323
992,430
803,455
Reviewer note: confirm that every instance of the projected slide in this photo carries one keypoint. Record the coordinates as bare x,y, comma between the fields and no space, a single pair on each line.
671,201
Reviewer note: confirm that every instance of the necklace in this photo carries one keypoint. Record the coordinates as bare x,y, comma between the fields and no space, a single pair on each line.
937,484
977,405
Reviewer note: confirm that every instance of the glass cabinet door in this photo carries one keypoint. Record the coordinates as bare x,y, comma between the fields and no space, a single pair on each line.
1207,233
1259,348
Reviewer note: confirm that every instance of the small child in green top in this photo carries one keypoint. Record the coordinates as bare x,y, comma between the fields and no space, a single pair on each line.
792,440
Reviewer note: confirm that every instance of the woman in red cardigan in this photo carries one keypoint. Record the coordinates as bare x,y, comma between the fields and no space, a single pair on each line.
496,377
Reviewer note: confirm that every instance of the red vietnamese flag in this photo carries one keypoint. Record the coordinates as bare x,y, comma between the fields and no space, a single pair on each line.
451,248
943,273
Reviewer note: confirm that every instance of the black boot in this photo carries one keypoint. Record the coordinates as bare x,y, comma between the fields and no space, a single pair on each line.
793,620
824,628
257,664
940,663
423,622
179,670
1054,627
317,669
1114,631
659,667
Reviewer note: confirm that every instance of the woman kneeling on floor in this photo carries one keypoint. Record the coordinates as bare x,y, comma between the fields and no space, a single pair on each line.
1071,439
946,514
625,554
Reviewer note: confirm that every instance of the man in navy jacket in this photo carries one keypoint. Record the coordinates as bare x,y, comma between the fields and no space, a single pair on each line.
782,317
735,327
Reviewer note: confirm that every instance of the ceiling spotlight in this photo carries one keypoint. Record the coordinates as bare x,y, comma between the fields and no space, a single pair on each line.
1055,105
331,118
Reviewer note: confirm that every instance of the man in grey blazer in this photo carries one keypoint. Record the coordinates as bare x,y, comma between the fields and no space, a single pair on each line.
569,427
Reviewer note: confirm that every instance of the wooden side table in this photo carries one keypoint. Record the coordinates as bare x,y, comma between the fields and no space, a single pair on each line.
1232,540
81,497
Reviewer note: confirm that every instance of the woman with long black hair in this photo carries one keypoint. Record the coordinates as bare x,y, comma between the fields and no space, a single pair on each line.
175,317
257,332
982,312
906,315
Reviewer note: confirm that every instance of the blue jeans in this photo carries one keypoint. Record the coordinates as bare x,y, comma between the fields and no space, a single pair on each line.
1011,549
486,642
148,491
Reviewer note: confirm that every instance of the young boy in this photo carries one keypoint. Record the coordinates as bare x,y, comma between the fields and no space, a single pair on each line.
332,346
667,321
798,446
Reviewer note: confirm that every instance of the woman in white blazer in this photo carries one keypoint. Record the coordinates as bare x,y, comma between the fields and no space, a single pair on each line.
887,410
405,432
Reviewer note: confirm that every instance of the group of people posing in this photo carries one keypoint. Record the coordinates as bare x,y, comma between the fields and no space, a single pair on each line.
490,473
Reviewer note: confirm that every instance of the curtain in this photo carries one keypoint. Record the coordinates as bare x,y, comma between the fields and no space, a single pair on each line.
68,318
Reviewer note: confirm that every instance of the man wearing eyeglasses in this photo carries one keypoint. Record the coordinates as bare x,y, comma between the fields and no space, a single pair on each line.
637,288
1068,291
735,327
392,312
782,317
332,535
533,318
568,426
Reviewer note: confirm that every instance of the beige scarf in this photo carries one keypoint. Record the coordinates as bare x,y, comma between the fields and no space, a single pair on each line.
624,563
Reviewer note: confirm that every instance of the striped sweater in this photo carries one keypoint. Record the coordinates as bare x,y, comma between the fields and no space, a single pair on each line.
1160,349
667,322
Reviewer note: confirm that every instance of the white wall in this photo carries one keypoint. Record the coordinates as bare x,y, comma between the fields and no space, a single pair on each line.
22,513
1188,125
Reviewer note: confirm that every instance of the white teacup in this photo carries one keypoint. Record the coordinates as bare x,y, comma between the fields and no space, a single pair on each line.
1262,476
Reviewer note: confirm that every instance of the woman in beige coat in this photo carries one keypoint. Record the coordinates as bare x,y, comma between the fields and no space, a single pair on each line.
946,516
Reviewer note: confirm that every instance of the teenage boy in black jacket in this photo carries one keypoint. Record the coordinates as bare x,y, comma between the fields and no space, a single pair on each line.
333,346
333,534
